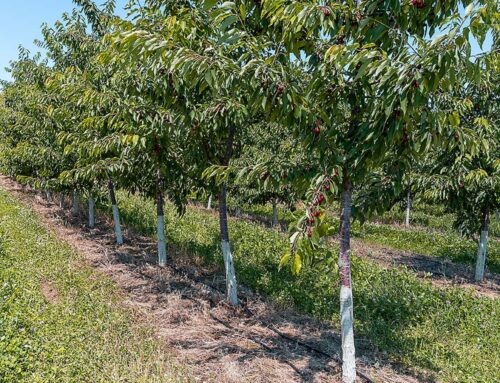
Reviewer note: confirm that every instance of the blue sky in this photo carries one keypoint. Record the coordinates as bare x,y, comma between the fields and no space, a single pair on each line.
20,22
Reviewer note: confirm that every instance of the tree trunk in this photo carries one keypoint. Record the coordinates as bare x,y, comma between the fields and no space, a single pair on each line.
76,207
116,213
209,204
48,194
408,207
346,301
231,285
275,213
61,200
162,243
481,251
91,212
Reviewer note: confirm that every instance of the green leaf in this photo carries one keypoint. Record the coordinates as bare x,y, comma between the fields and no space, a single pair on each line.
454,119
284,260
297,264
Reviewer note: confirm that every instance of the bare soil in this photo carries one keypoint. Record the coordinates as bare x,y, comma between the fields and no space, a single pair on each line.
185,305
49,292
440,271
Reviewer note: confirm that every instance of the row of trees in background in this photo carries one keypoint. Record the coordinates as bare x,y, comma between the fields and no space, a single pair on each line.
272,101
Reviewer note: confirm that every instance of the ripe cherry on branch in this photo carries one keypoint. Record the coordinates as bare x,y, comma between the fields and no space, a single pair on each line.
280,89
418,3
326,11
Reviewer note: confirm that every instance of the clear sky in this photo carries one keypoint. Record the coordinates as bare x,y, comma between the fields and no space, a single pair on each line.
20,22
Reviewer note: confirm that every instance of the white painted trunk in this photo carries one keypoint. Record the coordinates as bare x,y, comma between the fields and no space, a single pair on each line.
91,212
118,227
481,256
61,201
162,243
48,194
408,207
348,350
275,214
346,301
209,204
76,207
231,285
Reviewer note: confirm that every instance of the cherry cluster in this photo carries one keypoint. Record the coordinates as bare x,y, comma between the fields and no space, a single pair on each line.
317,200
280,88
418,3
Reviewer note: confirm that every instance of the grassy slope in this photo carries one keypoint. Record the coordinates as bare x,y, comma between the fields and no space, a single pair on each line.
442,241
82,335
449,332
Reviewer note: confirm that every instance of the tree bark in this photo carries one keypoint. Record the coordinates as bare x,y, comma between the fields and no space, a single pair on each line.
346,301
48,194
275,213
76,207
91,212
481,251
209,204
231,284
162,243
116,213
61,200
408,207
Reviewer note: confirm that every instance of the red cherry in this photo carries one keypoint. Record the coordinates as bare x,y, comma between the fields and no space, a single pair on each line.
317,214
317,131
327,187
280,89
321,198
309,234
311,221
418,3
456,136
326,11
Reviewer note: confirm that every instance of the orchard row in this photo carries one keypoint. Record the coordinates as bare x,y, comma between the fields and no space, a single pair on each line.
272,100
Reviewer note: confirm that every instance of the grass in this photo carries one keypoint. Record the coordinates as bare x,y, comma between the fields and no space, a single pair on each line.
441,241
451,333
79,333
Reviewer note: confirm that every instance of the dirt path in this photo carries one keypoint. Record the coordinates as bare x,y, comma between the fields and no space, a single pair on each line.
184,304
440,271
